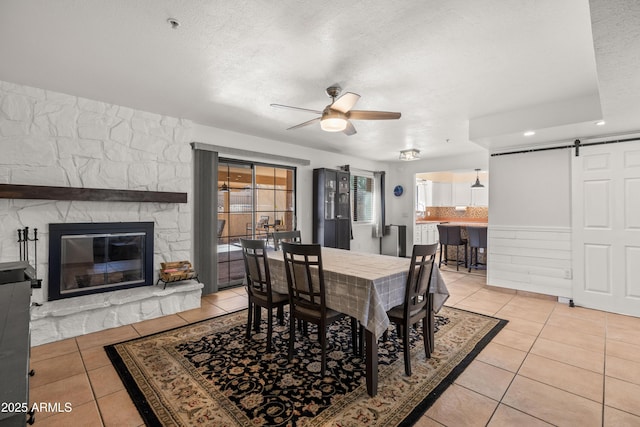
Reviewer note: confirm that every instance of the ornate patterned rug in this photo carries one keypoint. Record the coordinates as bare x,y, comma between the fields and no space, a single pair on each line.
208,373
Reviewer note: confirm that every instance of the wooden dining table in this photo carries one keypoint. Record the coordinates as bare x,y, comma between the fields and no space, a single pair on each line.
364,286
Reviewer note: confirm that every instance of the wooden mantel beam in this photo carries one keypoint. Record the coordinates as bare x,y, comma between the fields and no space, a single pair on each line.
14,191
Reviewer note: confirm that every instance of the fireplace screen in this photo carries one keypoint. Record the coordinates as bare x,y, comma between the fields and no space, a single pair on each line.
102,258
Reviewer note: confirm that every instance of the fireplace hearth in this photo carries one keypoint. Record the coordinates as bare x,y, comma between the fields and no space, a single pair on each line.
88,258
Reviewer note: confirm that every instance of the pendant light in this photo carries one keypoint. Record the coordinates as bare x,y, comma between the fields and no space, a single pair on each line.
477,184
224,188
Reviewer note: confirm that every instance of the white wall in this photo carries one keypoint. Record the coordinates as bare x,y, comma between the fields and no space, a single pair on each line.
363,242
531,189
530,222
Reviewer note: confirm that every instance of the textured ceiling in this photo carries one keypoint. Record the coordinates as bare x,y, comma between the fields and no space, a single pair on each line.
466,74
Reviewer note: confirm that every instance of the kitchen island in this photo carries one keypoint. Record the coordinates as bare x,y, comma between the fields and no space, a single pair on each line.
426,232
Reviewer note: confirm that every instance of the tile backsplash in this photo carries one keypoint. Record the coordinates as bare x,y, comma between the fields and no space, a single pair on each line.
451,212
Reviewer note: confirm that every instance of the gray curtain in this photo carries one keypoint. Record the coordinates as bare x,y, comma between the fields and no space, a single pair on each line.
379,220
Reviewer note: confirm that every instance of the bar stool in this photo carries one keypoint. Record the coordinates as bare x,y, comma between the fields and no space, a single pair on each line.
477,239
451,235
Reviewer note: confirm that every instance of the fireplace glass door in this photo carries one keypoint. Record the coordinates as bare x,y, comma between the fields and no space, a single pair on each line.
254,200
101,260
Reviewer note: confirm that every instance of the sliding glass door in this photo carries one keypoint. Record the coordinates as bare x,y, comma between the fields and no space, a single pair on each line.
254,200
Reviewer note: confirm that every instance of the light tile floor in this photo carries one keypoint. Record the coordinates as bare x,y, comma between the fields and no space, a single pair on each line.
551,365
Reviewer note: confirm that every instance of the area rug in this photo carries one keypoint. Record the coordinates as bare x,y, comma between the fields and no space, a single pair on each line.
209,373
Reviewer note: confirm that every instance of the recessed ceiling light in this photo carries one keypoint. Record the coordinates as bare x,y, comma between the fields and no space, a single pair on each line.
600,123
529,133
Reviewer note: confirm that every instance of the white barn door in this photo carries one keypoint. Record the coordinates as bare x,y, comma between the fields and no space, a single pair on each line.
606,227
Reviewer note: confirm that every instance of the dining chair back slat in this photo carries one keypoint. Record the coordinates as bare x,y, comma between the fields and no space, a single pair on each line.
293,236
303,267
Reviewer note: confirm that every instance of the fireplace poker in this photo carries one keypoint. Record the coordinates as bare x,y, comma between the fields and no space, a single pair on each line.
20,244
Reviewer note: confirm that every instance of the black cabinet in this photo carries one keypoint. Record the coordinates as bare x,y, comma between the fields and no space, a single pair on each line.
331,208
15,300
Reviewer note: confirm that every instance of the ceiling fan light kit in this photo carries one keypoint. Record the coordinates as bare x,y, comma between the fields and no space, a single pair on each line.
410,154
336,116
333,121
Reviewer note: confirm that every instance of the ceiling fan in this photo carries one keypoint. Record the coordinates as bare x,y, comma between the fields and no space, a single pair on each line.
335,116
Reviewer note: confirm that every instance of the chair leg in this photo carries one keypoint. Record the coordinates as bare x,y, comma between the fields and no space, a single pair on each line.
281,315
471,259
406,330
354,335
457,262
249,319
361,341
292,334
442,248
431,324
322,331
465,255
256,316
426,336
269,329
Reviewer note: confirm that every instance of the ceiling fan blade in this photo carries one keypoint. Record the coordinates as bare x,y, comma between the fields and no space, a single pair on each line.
350,129
345,102
307,123
372,115
288,107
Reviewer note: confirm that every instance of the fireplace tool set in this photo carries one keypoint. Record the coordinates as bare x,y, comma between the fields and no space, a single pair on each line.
23,245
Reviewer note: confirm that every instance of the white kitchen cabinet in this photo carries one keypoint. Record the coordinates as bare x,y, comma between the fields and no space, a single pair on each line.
417,234
426,234
461,194
441,194
425,195
480,196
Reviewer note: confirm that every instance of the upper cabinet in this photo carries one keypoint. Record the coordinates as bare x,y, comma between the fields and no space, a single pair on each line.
424,195
461,194
480,196
453,190
433,194
441,194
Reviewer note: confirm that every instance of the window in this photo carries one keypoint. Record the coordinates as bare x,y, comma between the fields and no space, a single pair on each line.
362,199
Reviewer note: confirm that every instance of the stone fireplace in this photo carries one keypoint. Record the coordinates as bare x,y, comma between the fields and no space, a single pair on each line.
88,258
101,276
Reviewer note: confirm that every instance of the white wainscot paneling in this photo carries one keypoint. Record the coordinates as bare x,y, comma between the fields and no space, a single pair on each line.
533,259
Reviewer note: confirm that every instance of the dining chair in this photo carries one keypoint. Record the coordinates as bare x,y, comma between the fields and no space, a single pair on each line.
259,289
451,235
477,240
293,236
418,302
307,295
